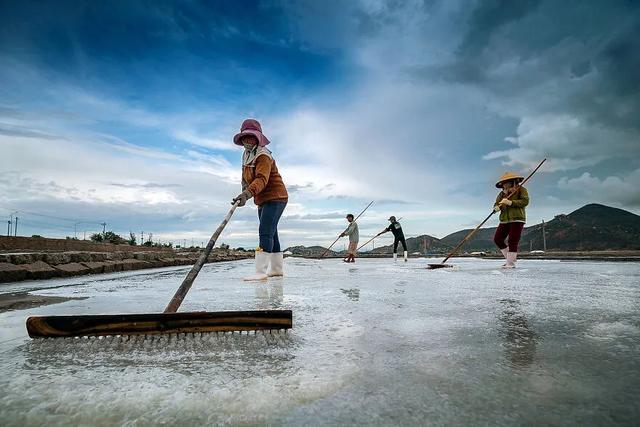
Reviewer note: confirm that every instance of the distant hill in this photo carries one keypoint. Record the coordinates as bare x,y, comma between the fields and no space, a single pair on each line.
481,241
592,227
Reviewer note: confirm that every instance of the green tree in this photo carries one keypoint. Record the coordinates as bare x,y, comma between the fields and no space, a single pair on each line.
108,237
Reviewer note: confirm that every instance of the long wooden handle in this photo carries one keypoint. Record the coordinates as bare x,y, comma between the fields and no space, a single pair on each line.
368,241
175,302
472,232
334,242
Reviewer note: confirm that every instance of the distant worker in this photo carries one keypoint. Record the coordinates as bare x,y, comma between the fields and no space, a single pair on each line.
262,182
512,216
354,237
398,237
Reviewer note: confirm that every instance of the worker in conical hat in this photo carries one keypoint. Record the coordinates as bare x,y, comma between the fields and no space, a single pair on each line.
398,237
511,203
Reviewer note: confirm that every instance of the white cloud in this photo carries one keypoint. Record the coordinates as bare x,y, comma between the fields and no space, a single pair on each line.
621,191
568,142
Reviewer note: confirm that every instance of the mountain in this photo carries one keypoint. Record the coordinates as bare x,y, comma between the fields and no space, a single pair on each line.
592,227
481,241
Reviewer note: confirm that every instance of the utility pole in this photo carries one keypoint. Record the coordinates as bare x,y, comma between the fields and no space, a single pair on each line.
11,222
544,237
15,228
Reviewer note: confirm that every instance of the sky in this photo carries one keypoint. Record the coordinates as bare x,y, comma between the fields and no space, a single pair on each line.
124,112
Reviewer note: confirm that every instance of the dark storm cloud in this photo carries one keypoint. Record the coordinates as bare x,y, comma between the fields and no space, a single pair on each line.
567,71
487,18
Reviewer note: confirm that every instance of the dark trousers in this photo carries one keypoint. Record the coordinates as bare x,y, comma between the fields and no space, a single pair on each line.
513,230
269,214
397,240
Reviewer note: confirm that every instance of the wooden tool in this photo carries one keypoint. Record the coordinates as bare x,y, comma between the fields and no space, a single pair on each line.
170,321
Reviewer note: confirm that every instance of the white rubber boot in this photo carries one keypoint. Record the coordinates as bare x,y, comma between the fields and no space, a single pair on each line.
262,262
395,257
277,261
511,260
504,253
406,256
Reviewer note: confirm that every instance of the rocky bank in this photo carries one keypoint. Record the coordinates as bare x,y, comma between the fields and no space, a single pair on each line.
48,265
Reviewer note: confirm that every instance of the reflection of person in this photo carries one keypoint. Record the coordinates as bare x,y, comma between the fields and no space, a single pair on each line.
269,297
262,181
398,237
512,216
354,237
520,340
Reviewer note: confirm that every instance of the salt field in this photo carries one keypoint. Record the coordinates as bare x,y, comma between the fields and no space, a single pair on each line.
375,343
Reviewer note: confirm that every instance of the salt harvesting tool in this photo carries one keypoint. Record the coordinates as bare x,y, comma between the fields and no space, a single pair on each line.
472,232
338,238
168,322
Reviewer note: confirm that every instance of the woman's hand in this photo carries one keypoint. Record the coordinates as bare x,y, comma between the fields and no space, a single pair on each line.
242,198
496,208
506,201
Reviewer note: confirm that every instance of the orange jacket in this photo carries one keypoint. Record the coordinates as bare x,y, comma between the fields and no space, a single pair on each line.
264,181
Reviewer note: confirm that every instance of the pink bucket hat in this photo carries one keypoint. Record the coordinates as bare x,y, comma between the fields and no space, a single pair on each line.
251,127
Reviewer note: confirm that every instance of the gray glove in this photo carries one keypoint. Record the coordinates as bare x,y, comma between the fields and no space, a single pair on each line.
242,198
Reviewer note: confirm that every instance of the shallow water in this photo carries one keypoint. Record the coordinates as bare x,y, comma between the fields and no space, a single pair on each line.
373,343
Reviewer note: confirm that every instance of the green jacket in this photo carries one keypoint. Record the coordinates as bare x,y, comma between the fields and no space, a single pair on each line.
515,212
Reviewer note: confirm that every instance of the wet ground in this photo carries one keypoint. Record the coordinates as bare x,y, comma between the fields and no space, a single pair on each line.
375,343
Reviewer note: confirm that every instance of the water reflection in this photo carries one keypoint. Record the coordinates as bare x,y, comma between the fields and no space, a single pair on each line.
520,340
269,296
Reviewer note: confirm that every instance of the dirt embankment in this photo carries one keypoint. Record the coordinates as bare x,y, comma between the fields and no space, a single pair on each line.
48,265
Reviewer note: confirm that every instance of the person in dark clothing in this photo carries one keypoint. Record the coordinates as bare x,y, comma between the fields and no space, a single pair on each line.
398,237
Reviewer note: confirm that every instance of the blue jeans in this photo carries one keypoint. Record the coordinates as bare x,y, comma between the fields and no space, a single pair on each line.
269,214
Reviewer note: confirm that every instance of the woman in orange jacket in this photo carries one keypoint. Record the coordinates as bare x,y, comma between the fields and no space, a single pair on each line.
262,182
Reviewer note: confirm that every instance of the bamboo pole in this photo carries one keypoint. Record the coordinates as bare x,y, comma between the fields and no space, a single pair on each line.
175,302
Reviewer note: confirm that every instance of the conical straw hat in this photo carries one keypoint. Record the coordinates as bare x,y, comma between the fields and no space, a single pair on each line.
508,176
